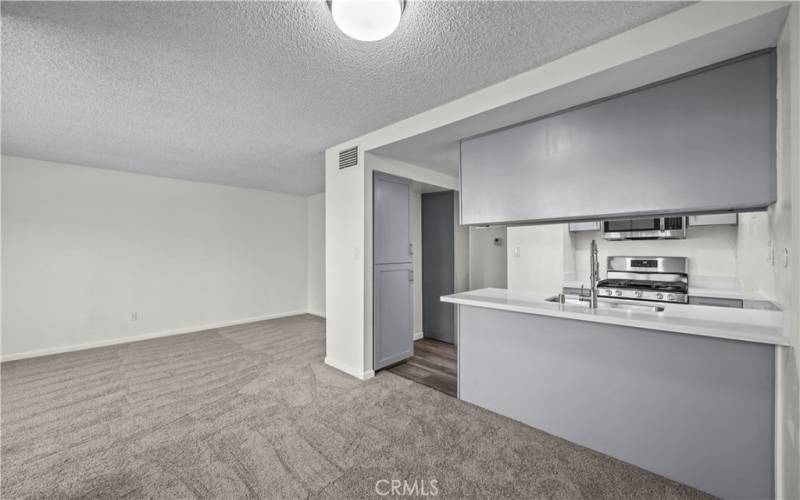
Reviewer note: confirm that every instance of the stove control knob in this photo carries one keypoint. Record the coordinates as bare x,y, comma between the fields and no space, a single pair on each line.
609,292
660,296
671,297
618,293
639,294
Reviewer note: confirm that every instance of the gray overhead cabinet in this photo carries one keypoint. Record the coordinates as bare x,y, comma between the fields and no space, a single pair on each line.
700,142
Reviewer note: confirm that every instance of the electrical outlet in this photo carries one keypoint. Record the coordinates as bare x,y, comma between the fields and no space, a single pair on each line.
134,316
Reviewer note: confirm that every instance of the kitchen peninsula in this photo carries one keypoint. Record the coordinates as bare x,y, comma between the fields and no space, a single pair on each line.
680,392
683,152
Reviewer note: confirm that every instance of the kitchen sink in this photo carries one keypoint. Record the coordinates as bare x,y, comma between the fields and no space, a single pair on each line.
576,300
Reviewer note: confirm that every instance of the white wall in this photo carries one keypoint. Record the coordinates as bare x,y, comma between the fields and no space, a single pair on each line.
711,251
345,343
316,254
723,256
784,229
461,251
753,255
83,248
536,257
487,261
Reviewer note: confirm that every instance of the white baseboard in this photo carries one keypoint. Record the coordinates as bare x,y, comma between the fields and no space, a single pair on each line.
144,336
349,370
418,335
319,314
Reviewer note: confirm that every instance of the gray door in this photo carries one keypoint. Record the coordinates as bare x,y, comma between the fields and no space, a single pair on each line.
393,339
438,263
391,219
393,314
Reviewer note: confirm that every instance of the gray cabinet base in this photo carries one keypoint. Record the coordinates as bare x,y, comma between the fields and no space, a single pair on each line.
697,410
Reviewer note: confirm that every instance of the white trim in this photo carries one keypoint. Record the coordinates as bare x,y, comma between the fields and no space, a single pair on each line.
144,336
418,335
319,314
348,370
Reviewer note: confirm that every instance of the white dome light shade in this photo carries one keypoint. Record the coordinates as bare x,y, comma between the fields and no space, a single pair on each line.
367,20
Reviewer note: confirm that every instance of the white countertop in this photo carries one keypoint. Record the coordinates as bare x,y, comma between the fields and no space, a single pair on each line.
726,293
749,325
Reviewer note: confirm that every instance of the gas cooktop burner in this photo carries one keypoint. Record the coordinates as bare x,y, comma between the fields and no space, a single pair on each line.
660,279
644,285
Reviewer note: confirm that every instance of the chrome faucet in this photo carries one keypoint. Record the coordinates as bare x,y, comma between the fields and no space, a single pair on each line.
594,275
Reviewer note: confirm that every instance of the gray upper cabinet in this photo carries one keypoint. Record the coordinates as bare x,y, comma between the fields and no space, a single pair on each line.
701,142
392,216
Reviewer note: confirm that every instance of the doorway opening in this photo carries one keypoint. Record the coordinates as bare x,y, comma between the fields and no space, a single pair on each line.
422,252
443,259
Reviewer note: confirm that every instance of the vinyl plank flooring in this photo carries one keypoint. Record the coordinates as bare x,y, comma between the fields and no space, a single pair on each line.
434,347
433,365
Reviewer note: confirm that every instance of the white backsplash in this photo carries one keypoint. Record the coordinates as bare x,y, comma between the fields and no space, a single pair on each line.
711,250
538,257
722,256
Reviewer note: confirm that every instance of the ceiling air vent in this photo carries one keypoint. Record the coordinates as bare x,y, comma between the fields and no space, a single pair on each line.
348,157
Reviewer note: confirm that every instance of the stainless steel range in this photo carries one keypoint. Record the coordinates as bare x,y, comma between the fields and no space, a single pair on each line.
660,279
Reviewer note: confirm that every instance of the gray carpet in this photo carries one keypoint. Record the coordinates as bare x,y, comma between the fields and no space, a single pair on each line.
251,411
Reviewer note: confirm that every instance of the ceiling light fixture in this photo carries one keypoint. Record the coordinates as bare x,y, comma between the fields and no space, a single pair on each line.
367,20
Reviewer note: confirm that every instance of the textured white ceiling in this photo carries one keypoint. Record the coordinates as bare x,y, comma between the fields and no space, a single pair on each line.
250,94
439,148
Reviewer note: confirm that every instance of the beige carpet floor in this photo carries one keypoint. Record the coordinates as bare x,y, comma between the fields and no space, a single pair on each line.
251,411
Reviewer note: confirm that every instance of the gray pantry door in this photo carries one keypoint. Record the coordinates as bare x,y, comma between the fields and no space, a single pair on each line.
393,338
438,265
393,314
391,226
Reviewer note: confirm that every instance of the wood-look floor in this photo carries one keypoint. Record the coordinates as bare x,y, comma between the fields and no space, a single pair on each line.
433,365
